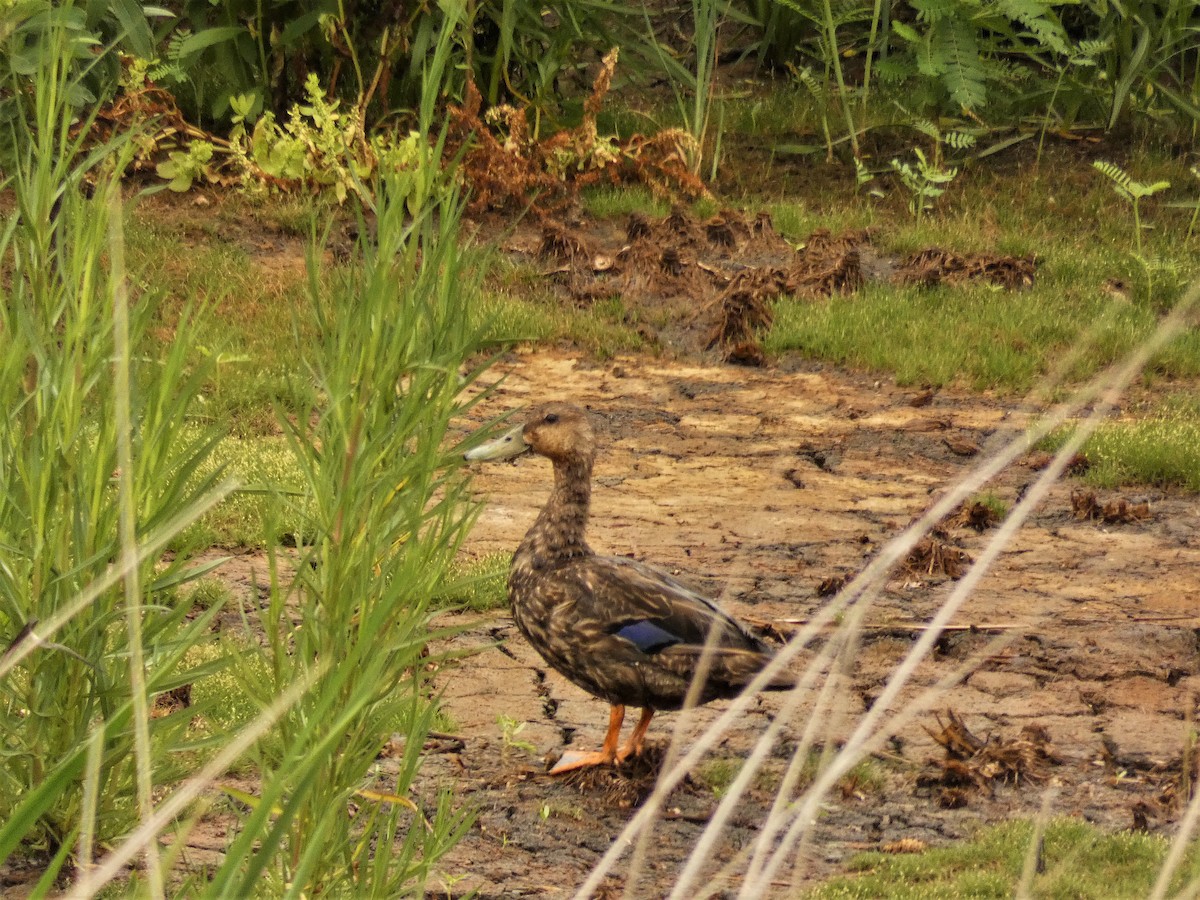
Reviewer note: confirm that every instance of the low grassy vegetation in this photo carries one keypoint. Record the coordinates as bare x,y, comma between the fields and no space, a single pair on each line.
1077,860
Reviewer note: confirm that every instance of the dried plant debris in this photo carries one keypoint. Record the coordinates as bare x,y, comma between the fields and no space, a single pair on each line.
934,265
625,785
1084,505
825,275
1077,465
823,244
972,763
744,307
559,242
904,845
831,585
977,515
508,170
638,227
934,556
717,280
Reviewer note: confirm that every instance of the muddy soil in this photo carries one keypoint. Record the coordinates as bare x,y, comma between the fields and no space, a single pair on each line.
763,488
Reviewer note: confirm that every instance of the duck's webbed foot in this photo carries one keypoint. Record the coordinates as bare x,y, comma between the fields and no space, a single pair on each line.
605,756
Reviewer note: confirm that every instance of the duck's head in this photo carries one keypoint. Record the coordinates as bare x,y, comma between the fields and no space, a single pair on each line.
558,431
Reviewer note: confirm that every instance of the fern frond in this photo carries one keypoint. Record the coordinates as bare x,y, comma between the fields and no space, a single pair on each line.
1114,173
964,74
927,128
933,11
1039,20
1085,52
959,140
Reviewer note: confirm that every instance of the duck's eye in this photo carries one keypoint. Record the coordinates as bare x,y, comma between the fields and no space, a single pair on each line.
551,418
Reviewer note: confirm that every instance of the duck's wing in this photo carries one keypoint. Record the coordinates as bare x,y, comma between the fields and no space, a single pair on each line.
623,595
646,628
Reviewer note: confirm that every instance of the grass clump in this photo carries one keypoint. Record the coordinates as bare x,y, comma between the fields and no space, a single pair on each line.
253,516
97,473
1079,861
480,584
1161,449
615,202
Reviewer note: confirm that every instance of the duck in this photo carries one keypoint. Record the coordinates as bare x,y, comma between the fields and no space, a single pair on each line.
623,631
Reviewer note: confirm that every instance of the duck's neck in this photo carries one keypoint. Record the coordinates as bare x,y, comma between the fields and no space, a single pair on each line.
558,533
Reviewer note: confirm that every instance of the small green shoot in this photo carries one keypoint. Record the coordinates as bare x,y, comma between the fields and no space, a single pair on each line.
510,728
1131,191
718,774
926,182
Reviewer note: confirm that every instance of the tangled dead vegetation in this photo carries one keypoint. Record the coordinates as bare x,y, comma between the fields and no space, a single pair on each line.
977,515
935,555
510,170
976,764
624,786
1084,505
721,276
934,265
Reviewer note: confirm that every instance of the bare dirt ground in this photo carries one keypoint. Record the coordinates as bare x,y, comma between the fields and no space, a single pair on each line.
758,486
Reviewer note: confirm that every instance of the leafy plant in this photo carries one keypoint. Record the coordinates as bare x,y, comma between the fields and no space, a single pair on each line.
925,182
1131,191
509,729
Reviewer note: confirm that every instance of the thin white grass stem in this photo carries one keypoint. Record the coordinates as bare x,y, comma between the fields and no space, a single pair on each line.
804,816
813,729
127,528
1033,856
823,663
150,828
1113,384
888,556
690,701
87,812
1179,847
150,546
780,814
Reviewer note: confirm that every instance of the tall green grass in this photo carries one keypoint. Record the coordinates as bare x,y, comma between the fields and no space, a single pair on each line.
385,511
105,458
96,474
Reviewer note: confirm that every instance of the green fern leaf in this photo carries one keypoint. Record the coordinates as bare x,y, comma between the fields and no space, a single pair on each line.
933,11
959,140
964,75
1039,20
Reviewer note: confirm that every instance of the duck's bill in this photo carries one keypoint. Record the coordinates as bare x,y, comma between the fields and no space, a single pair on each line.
510,444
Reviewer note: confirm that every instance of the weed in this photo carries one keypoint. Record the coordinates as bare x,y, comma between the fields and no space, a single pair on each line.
1162,448
718,774
510,728
208,592
1133,192
480,584
926,182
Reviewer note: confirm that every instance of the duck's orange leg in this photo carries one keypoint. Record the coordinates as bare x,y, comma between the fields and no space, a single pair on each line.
605,756
637,740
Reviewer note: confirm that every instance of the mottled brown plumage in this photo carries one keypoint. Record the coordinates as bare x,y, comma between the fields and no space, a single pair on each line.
621,630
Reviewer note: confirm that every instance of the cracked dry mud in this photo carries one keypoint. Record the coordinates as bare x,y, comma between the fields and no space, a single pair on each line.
766,489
